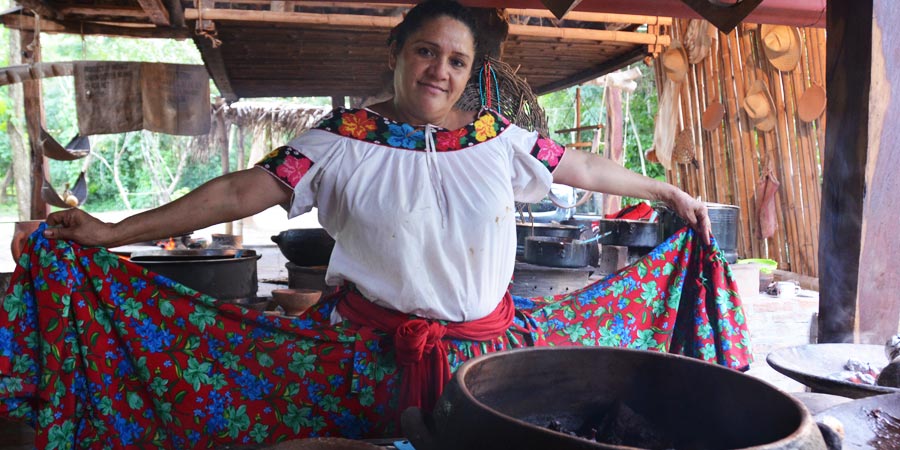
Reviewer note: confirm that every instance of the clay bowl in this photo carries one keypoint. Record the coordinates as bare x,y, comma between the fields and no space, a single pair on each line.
294,301
812,364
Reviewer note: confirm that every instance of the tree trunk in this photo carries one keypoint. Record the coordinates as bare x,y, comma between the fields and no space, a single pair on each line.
21,155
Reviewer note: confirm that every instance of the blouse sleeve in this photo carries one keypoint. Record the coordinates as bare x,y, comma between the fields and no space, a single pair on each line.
533,159
286,164
300,165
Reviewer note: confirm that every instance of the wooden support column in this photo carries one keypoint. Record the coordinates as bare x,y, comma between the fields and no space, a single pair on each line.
878,308
858,233
34,118
849,25
337,101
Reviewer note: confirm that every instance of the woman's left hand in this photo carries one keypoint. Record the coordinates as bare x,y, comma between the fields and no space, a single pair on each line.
693,211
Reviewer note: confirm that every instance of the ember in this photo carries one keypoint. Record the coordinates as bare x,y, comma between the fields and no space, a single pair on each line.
859,372
620,425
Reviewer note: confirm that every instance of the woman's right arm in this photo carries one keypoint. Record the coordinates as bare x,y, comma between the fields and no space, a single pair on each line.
226,198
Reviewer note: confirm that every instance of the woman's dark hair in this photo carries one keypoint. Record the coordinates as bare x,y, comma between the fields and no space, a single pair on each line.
428,10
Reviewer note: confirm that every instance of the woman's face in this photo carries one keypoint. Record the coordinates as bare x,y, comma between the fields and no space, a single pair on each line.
431,70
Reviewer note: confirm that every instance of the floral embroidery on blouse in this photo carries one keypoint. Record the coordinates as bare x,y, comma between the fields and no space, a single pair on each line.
484,128
451,140
368,126
548,152
357,124
287,164
405,136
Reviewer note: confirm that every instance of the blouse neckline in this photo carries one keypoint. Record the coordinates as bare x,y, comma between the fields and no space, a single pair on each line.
369,126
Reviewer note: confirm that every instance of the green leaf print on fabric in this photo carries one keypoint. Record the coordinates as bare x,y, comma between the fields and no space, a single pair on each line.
61,436
302,364
645,340
201,317
106,260
196,373
237,420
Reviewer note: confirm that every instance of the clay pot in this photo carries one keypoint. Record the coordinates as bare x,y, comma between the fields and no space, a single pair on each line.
295,301
503,401
20,236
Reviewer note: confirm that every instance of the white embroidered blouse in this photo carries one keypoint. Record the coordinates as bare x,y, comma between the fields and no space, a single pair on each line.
423,217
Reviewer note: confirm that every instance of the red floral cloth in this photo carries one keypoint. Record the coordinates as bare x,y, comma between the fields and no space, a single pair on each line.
97,352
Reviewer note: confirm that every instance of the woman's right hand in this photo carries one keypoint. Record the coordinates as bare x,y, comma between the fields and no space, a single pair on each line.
76,225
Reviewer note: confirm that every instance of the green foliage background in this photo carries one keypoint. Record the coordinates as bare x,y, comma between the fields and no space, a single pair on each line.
61,120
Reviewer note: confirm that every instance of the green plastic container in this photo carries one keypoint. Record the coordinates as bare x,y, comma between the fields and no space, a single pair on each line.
765,265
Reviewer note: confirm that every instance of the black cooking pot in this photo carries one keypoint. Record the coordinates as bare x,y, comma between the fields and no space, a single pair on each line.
305,246
629,233
524,230
556,252
225,274
504,400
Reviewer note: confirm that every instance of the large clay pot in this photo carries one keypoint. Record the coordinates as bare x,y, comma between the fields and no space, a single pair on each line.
498,401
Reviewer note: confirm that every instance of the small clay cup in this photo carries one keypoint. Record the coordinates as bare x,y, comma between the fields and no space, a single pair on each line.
296,301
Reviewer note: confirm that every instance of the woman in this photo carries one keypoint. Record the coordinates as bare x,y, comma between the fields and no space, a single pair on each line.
126,360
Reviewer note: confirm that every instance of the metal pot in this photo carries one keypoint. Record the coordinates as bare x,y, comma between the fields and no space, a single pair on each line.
502,400
556,252
305,246
722,218
525,230
629,233
225,274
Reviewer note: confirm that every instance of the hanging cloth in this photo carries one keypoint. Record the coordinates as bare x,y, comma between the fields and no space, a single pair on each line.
77,148
767,219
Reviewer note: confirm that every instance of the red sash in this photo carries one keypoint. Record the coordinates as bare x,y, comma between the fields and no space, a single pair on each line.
418,345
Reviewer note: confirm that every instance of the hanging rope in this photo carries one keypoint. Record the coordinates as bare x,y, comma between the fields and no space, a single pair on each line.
200,30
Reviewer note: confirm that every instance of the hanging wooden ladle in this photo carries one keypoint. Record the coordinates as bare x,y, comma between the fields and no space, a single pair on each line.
70,197
77,148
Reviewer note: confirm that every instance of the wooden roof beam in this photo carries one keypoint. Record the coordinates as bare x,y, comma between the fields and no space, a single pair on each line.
215,65
26,23
41,8
156,11
594,72
106,10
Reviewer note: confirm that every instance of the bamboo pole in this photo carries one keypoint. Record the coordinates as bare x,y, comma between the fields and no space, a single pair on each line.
807,176
784,146
745,156
386,22
801,136
23,72
594,17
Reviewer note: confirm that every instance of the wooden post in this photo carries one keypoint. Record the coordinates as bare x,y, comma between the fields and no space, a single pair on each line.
34,118
878,309
337,102
849,52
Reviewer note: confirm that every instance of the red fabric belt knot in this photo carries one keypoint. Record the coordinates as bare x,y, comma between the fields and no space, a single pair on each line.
418,343
416,338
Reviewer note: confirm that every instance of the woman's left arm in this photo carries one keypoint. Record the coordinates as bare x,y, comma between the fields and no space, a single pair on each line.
597,173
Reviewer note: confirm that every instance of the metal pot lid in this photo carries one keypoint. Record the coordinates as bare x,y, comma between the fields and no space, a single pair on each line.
193,255
547,225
